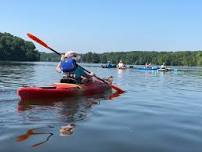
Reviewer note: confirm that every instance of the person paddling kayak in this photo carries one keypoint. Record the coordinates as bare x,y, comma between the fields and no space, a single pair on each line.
121,65
148,65
163,66
72,73
75,73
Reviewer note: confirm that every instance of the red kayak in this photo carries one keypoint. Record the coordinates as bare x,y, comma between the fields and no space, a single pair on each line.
61,90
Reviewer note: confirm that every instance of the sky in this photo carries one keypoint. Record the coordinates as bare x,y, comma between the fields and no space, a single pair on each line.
106,25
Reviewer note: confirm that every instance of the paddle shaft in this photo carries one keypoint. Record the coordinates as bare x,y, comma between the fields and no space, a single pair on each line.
55,51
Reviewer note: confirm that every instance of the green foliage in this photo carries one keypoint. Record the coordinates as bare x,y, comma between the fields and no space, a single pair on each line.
16,49
187,58
49,57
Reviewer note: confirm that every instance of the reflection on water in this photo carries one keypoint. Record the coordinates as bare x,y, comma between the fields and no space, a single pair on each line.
44,134
68,110
33,132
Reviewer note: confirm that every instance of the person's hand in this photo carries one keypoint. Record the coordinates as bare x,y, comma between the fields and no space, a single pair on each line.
62,57
92,74
58,70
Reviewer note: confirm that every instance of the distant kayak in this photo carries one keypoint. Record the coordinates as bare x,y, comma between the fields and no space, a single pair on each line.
109,66
125,67
147,68
122,68
165,69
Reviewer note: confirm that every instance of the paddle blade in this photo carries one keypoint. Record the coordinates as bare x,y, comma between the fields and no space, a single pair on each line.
34,38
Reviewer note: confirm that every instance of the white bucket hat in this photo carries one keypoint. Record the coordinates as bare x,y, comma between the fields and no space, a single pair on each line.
70,54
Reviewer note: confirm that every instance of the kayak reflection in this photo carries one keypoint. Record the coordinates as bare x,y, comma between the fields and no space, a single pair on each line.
33,132
45,135
67,111
28,104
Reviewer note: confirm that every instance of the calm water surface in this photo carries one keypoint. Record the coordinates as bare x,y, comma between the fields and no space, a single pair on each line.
159,112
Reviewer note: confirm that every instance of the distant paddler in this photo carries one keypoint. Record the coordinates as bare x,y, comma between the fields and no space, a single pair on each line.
121,65
148,65
109,65
163,66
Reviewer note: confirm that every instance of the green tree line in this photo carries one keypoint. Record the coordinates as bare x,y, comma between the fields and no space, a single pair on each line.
189,58
49,57
13,48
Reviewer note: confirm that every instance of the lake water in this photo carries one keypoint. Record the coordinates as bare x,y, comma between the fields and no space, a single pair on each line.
160,112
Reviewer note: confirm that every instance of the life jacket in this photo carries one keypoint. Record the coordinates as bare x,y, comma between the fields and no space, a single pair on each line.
68,65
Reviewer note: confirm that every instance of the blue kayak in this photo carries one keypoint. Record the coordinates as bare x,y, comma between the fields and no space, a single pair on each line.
109,66
147,68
